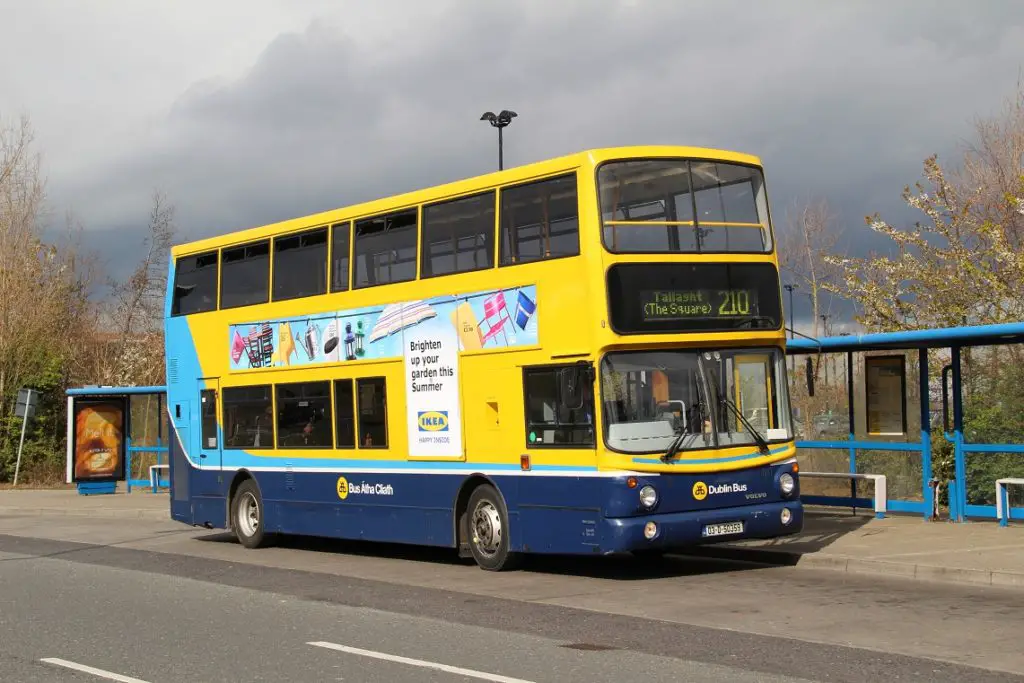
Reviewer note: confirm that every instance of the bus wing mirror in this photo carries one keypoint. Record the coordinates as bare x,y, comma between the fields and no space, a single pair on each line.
572,382
809,371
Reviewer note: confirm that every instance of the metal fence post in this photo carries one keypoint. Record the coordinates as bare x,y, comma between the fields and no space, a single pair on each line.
958,437
926,433
851,425
128,463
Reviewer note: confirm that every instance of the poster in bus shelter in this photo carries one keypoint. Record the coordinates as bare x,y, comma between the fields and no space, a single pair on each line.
99,439
480,321
885,391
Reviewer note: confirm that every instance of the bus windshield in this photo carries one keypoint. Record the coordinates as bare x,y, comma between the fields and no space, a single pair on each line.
681,206
652,397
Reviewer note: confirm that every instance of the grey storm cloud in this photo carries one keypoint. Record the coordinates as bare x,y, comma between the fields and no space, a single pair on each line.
841,100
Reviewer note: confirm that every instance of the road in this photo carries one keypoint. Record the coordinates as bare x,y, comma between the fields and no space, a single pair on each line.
154,601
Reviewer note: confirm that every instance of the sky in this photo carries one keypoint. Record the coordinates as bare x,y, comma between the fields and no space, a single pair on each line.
245,113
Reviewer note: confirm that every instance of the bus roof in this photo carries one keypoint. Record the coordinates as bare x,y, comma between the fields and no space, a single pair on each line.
457,187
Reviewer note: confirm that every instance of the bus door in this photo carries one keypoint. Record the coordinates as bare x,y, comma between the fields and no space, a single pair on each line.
209,437
752,382
179,442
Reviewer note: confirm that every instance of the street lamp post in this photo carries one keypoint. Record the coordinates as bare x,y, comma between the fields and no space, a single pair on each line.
499,121
790,288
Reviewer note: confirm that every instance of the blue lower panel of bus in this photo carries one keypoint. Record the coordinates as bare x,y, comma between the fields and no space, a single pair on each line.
554,530
681,529
550,513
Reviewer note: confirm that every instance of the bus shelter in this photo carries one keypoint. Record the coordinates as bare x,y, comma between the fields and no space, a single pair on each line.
939,413
116,434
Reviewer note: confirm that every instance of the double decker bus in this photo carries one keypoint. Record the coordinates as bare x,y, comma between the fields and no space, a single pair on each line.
582,355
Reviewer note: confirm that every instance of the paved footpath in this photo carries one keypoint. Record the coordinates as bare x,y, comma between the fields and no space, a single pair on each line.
978,553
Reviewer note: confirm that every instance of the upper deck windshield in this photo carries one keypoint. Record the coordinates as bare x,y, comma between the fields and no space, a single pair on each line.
683,206
711,399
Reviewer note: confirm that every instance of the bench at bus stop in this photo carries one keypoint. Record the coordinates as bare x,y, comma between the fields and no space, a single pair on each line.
154,476
880,497
1003,513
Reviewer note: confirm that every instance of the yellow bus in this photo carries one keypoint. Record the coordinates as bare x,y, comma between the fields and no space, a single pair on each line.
579,355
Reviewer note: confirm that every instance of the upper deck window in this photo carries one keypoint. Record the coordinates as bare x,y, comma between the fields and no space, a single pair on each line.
385,249
245,275
540,220
680,206
458,235
300,265
195,284
341,236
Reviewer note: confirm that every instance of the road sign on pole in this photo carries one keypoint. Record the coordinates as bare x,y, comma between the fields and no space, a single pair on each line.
24,408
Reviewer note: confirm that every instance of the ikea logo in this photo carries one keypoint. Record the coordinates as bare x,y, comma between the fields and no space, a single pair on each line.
433,420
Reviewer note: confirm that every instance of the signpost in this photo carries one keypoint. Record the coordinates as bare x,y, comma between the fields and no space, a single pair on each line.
24,408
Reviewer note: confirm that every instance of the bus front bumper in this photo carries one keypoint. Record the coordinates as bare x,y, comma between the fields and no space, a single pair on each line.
671,531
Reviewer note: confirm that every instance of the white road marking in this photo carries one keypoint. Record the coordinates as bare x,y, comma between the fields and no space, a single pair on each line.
470,673
110,676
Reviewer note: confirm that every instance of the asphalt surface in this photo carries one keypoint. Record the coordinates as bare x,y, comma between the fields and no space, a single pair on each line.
176,629
159,602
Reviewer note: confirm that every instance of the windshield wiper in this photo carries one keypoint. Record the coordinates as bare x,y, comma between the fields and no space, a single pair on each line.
677,442
673,447
762,445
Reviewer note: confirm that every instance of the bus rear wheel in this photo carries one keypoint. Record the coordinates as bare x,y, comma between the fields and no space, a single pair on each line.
247,517
488,529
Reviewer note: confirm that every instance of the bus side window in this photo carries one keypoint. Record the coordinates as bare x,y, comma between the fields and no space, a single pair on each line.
300,265
248,417
245,275
195,284
373,412
344,414
304,415
552,418
385,249
458,235
540,220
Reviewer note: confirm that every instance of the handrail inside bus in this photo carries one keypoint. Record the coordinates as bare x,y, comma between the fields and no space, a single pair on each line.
714,224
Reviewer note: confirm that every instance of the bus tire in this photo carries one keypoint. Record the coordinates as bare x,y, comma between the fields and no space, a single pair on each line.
488,528
247,515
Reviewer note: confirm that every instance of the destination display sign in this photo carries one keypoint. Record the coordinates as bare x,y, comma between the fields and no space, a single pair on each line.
650,298
684,304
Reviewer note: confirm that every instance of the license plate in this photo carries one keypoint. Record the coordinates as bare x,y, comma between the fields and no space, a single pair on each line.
723,529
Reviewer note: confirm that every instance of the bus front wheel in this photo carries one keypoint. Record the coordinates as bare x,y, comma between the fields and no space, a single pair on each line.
247,516
489,530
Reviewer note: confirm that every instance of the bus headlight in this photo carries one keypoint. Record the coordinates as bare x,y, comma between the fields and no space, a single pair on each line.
787,483
786,516
648,496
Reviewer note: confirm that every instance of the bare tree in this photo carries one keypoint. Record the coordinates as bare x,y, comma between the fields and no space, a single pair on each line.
133,345
43,285
995,161
21,195
965,263
809,238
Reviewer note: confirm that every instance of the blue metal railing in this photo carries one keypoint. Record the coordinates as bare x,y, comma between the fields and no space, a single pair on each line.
955,339
852,446
161,459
